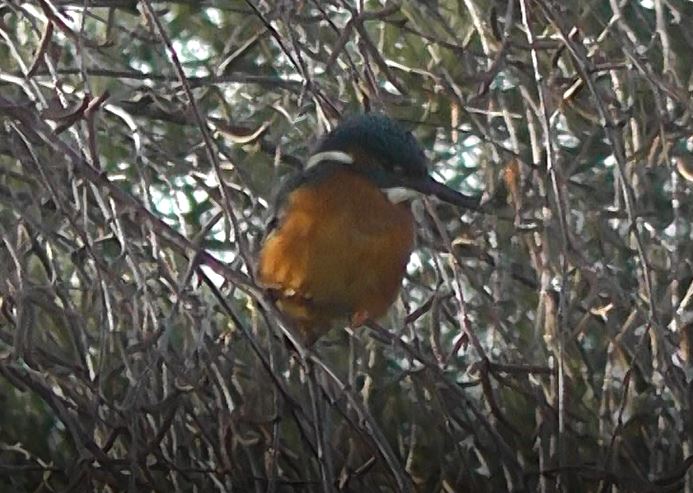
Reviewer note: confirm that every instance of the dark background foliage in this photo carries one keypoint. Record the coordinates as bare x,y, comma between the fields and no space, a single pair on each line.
540,345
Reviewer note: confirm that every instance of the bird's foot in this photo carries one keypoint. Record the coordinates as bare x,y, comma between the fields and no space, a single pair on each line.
358,319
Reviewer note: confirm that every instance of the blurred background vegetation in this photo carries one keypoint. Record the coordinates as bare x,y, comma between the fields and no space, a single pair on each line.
540,345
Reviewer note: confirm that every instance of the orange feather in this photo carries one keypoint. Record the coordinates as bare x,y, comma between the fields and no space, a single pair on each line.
340,251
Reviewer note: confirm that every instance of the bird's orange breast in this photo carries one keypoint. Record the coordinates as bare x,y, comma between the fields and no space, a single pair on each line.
340,250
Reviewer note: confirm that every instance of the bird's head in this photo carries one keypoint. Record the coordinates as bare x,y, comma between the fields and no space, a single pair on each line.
382,150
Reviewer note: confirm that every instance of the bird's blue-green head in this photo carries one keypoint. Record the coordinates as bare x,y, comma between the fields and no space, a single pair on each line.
375,144
385,152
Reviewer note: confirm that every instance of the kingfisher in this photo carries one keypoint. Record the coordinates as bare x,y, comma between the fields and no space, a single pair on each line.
342,230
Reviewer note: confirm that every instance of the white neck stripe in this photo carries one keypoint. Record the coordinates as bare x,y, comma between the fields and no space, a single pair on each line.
338,156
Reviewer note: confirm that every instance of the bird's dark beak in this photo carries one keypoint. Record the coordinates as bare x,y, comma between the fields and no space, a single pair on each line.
429,186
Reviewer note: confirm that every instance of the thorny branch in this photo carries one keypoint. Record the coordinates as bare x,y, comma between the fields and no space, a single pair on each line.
541,344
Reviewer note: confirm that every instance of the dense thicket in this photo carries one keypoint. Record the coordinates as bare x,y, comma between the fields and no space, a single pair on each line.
540,345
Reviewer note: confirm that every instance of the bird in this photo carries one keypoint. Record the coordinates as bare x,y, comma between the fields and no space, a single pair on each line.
342,230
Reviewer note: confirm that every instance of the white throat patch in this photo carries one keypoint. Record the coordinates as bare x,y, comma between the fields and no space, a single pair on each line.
397,195
334,156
